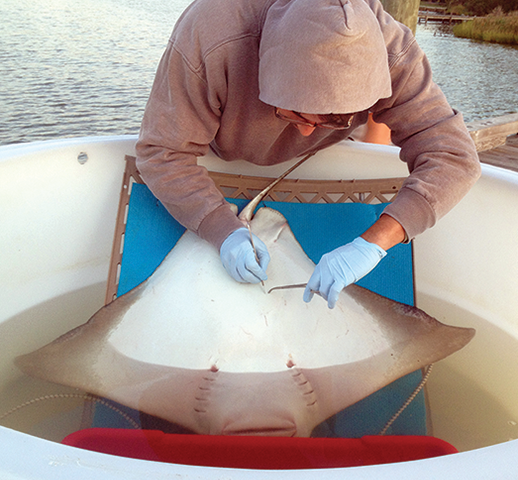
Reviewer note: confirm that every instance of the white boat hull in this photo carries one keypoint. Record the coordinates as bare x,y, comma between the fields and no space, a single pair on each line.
57,215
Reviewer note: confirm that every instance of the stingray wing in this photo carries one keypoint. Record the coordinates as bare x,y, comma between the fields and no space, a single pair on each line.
415,340
194,347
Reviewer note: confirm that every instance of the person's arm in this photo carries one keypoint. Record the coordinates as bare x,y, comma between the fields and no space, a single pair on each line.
385,233
178,125
438,150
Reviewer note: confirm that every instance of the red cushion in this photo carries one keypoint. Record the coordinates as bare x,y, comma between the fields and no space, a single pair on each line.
258,452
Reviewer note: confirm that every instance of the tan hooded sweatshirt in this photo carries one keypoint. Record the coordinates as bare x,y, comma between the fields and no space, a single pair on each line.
230,62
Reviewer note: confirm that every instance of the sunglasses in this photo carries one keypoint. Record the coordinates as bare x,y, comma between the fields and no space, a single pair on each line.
329,125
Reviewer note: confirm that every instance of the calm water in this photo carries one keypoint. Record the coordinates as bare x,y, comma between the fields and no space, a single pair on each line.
71,68
479,79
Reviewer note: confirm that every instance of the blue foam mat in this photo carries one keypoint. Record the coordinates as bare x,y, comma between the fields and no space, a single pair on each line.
151,233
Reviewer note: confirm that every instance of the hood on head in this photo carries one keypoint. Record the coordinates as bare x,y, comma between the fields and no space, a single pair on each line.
322,56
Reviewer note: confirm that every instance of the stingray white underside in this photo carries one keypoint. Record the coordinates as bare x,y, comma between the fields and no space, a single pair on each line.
195,347
201,318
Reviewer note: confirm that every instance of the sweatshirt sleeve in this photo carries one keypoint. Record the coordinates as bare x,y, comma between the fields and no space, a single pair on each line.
434,140
181,118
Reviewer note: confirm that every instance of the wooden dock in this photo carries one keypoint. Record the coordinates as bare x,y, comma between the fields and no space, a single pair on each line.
496,140
504,156
425,17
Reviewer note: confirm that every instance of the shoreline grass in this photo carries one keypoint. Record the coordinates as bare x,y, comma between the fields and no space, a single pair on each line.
496,27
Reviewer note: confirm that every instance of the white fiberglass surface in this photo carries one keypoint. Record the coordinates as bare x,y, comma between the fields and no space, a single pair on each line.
51,287
467,274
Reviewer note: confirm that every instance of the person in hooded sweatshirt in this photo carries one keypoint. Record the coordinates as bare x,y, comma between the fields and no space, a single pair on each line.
269,80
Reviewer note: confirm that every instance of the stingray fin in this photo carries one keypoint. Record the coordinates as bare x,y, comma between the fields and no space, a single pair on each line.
416,341
211,361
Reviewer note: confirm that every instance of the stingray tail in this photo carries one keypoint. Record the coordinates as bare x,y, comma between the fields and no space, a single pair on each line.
246,214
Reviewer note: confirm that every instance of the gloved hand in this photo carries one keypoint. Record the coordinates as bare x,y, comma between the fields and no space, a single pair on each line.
341,267
238,257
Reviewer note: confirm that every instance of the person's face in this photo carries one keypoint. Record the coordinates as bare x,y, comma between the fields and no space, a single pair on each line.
294,118
306,123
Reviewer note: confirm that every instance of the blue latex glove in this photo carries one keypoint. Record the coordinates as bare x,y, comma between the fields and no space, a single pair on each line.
238,257
341,267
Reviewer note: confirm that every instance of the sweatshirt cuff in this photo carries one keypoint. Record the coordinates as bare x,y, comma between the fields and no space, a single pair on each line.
218,225
412,211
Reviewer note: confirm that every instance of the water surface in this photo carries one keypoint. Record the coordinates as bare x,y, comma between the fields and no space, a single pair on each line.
73,68
478,78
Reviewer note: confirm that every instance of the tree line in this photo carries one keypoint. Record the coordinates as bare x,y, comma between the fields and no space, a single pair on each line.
481,7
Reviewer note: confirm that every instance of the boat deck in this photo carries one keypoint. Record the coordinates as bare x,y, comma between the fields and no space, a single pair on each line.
496,140
504,156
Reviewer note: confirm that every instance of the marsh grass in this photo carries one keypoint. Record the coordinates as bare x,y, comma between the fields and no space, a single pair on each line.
496,27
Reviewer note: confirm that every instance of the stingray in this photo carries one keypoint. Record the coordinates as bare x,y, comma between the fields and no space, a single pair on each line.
192,346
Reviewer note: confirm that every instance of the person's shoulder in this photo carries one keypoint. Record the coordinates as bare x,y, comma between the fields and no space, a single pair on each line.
207,24
399,39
